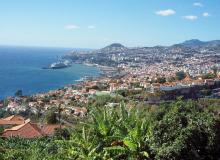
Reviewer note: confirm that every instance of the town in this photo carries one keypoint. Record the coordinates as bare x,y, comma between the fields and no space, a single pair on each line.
138,75
110,80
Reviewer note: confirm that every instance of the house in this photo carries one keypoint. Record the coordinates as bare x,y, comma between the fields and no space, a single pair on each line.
154,87
145,84
32,104
209,82
25,128
80,112
1,105
113,87
198,82
187,80
12,106
92,91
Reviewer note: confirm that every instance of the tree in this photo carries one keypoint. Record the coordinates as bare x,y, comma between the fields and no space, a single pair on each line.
184,131
51,117
161,80
1,130
2,113
180,75
5,102
215,71
208,76
171,79
18,93
62,133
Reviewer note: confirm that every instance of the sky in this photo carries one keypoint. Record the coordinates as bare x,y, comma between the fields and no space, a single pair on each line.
97,23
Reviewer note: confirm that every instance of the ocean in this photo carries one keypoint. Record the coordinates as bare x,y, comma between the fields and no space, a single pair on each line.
21,68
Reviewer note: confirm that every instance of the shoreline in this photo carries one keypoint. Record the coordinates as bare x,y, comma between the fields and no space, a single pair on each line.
75,82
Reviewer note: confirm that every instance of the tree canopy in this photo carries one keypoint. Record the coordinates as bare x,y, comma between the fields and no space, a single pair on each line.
180,75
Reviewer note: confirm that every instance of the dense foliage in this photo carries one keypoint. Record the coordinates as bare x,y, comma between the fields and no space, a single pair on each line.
180,75
178,130
209,76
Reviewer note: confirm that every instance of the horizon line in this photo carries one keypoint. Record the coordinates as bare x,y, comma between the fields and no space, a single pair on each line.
63,47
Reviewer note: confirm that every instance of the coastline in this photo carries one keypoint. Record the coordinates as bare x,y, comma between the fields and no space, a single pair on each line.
74,82
101,74
103,71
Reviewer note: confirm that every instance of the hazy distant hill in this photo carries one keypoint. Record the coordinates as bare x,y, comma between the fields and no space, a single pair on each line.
195,43
113,48
116,53
189,46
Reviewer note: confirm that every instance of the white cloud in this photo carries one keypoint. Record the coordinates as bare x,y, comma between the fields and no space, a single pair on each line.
167,12
190,17
198,4
206,14
91,27
71,26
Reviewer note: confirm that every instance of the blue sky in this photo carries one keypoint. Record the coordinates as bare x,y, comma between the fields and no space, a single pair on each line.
96,23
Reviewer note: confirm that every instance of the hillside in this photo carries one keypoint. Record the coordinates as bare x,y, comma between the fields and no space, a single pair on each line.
116,54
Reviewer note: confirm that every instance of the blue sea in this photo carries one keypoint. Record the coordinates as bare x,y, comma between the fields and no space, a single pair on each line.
21,68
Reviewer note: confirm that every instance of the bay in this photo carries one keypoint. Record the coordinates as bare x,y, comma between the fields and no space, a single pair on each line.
21,68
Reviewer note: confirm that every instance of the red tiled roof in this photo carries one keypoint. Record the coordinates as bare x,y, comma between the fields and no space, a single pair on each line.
7,122
16,120
49,129
14,117
27,130
30,130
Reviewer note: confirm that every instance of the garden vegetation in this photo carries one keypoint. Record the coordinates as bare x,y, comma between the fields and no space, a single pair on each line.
178,130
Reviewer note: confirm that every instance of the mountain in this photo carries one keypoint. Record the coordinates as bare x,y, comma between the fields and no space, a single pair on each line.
113,48
195,43
116,45
180,49
187,48
116,54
